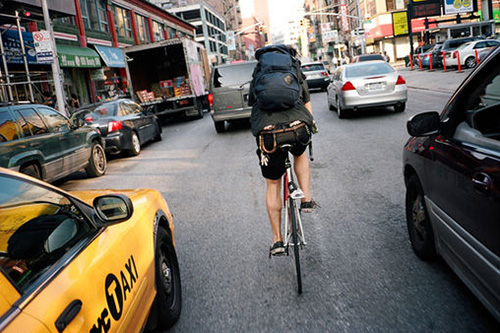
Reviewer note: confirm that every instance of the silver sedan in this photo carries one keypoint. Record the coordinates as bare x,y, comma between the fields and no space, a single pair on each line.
366,85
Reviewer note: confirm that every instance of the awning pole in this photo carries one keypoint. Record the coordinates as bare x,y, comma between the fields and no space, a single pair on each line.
55,63
6,69
25,59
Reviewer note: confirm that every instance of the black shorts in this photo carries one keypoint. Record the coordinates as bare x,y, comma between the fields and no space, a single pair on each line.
275,168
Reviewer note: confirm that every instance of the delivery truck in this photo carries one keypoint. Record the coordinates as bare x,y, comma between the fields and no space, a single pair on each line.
169,76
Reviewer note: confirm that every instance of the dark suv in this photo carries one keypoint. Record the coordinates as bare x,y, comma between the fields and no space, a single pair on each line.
229,85
452,177
39,141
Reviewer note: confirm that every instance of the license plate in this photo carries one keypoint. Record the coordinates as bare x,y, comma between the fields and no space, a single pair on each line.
375,86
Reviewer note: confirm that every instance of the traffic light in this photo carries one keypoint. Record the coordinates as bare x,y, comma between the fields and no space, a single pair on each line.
301,23
306,23
261,29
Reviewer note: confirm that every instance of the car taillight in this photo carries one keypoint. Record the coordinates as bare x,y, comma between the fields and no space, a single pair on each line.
211,99
348,86
324,74
89,119
114,126
400,80
455,54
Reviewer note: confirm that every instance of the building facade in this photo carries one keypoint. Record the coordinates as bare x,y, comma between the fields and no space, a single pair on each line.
89,45
217,24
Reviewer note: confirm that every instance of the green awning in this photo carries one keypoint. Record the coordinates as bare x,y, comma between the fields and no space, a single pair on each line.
75,56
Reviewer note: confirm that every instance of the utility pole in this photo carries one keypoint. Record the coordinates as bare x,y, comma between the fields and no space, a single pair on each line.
55,62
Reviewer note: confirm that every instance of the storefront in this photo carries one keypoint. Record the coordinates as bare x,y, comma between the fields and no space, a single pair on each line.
111,80
76,63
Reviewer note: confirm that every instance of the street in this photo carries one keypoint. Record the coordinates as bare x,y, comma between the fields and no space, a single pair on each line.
359,271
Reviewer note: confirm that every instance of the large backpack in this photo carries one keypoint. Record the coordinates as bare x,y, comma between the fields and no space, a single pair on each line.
277,78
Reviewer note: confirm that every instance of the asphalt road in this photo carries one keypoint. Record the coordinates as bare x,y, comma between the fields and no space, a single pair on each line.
360,274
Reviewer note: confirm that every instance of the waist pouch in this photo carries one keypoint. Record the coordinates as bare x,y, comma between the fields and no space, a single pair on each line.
270,140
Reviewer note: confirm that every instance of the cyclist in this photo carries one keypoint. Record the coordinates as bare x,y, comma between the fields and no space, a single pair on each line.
271,130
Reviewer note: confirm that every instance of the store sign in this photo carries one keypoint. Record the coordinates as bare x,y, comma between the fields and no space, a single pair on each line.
343,18
13,50
43,46
400,23
458,6
70,60
426,8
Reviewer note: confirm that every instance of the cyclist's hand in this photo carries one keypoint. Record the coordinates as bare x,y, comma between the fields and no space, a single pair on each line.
314,127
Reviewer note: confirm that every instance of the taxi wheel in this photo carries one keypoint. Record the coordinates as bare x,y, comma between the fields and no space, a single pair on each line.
168,281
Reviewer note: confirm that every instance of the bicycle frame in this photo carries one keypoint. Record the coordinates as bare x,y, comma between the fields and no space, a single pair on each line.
292,192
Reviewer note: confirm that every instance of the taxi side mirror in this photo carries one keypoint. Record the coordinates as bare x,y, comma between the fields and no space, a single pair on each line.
113,208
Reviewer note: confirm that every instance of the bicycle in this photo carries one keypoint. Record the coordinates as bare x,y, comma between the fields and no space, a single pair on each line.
294,233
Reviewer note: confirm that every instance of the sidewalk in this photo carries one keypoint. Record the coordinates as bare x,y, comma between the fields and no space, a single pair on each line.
437,80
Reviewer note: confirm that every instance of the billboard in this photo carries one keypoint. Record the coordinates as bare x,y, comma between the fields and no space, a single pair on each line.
400,23
426,8
458,6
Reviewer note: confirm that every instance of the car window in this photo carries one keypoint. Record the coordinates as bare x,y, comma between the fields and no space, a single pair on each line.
313,67
375,68
128,107
33,122
106,110
55,121
8,130
235,75
492,43
464,45
37,227
480,45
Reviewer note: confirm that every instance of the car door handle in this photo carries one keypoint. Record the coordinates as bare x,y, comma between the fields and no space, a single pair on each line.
68,314
482,182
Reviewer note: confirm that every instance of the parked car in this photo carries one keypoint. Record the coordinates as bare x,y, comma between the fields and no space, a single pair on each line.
452,177
428,55
451,45
467,52
316,75
367,57
228,97
366,85
39,141
124,124
104,260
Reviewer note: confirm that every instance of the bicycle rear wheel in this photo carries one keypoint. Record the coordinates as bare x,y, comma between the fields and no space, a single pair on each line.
293,211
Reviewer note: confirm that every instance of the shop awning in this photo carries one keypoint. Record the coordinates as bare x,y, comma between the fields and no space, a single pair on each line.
75,56
112,56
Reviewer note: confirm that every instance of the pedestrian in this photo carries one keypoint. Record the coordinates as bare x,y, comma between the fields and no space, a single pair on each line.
74,103
48,99
386,57
279,118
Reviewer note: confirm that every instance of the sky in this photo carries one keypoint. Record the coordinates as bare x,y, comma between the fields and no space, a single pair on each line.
280,11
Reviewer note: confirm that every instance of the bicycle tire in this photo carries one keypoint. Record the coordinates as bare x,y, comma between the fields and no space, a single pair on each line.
295,240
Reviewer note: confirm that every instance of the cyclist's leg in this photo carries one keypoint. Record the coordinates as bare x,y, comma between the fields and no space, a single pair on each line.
273,201
302,170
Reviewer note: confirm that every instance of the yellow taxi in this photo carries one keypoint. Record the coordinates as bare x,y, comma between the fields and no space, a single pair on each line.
89,261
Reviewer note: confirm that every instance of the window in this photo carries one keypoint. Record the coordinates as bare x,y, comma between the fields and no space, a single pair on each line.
128,108
158,31
38,227
123,22
234,75
56,122
192,15
34,124
142,28
94,15
171,33
8,130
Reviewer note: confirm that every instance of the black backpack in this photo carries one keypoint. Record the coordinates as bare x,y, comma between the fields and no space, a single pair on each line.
277,78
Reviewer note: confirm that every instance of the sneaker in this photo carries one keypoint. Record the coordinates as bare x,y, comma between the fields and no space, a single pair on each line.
308,206
277,249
